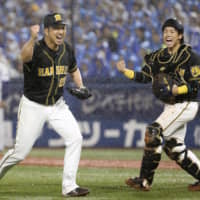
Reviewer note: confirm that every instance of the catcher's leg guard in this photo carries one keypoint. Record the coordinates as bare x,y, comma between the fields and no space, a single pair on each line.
184,158
152,151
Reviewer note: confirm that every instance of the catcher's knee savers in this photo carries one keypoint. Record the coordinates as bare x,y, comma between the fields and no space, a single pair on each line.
183,157
152,151
153,135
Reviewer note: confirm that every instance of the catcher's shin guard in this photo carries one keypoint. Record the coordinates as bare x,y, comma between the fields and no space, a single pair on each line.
183,157
152,152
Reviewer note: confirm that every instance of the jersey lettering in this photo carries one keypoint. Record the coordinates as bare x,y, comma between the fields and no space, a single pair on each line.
47,71
61,70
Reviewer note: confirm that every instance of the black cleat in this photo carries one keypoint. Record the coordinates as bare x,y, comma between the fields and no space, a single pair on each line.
77,192
138,183
194,187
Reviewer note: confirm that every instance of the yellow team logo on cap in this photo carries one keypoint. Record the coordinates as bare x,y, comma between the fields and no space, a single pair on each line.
58,17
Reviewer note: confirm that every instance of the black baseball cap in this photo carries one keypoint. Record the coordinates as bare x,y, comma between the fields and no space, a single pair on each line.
173,23
53,19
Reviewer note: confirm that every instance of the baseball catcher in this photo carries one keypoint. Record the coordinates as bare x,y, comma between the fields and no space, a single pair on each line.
175,73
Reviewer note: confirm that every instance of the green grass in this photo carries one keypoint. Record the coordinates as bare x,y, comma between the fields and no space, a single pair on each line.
98,154
108,154
44,183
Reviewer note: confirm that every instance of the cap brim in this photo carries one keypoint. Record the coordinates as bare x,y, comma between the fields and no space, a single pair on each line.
59,23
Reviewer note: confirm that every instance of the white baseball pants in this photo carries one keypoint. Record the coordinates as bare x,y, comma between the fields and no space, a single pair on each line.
31,119
174,119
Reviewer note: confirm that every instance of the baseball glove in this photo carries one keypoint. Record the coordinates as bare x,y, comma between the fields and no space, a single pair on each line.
162,87
81,93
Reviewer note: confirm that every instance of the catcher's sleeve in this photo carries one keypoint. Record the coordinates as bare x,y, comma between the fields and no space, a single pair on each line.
139,77
182,89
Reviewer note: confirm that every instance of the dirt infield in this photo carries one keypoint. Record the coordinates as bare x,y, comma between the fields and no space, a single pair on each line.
96,163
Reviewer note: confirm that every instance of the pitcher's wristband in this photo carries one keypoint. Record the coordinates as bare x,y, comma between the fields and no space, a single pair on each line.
183,89
129,73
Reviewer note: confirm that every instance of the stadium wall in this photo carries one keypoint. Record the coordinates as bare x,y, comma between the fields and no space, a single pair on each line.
114,117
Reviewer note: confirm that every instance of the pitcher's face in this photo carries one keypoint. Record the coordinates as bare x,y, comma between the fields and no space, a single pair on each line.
56,35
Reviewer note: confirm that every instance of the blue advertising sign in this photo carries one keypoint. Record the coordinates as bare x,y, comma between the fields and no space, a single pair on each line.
115,116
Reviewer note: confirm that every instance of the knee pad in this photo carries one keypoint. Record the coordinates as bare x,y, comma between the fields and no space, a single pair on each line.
183,157
175,150
153,135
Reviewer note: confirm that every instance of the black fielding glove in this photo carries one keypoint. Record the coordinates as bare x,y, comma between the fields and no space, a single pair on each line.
81,93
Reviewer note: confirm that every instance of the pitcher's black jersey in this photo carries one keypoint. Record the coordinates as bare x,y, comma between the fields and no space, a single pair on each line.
45,74
184,65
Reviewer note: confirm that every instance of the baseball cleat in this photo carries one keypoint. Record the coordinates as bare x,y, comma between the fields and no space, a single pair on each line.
194,187
77,192
138,183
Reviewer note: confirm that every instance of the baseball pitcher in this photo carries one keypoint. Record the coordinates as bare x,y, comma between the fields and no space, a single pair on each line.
46,64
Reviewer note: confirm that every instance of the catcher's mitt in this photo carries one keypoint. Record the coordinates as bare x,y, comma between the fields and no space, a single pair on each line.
162,87
81,93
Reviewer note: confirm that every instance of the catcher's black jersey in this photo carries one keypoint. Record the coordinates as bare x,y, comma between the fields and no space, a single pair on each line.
184,66
45,74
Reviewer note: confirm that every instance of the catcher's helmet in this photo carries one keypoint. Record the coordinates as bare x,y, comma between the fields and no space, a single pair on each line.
173,23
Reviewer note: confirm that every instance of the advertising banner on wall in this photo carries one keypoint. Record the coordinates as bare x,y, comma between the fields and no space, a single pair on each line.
114,117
